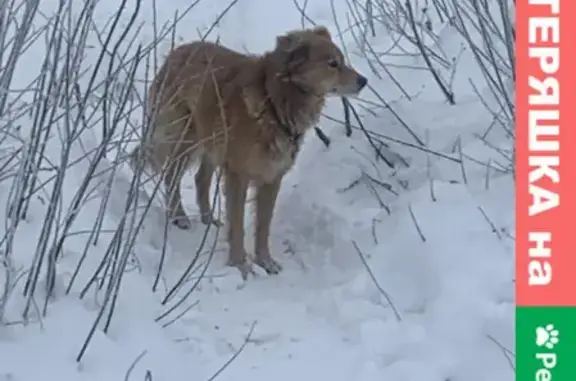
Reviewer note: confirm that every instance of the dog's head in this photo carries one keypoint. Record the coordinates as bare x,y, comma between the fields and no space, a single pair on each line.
313,61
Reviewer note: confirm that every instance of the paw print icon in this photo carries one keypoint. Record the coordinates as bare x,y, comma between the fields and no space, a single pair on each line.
547,336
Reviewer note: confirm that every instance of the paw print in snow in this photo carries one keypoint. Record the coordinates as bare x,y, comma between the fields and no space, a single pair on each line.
547,336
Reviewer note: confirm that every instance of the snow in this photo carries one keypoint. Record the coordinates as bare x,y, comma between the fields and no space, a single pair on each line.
376,286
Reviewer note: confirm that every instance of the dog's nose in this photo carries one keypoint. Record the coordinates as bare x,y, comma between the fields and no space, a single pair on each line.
362,81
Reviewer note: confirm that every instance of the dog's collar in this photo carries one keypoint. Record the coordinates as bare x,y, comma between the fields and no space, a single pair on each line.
292,135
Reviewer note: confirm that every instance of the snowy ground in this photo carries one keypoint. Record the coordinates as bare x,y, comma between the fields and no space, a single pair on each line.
436,305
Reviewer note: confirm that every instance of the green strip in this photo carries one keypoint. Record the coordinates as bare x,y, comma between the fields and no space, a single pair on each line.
546,343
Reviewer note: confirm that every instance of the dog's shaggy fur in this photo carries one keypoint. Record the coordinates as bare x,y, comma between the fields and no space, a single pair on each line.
245,115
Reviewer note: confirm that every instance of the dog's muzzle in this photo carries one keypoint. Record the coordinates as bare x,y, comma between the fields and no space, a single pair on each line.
361,81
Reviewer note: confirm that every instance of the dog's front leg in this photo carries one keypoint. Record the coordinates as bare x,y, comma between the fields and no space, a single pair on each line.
236,191
265,203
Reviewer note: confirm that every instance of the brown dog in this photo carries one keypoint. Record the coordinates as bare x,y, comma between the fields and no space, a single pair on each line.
245,115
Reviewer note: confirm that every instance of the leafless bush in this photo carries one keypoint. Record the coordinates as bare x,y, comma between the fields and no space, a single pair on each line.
66,125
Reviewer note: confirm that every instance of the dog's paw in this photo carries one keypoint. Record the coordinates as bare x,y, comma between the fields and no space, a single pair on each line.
208,219
270,265
244,267
183,222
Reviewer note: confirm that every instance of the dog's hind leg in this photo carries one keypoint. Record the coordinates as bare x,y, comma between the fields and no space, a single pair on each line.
172,178
265,201
172,145
203,181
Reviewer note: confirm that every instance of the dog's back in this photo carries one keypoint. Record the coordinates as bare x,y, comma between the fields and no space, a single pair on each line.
188,95
187,69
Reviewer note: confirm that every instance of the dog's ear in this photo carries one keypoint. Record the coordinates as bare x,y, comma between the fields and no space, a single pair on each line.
286,42
322,31
293,47
299,53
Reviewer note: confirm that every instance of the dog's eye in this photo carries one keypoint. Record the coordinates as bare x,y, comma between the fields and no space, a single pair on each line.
333,63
